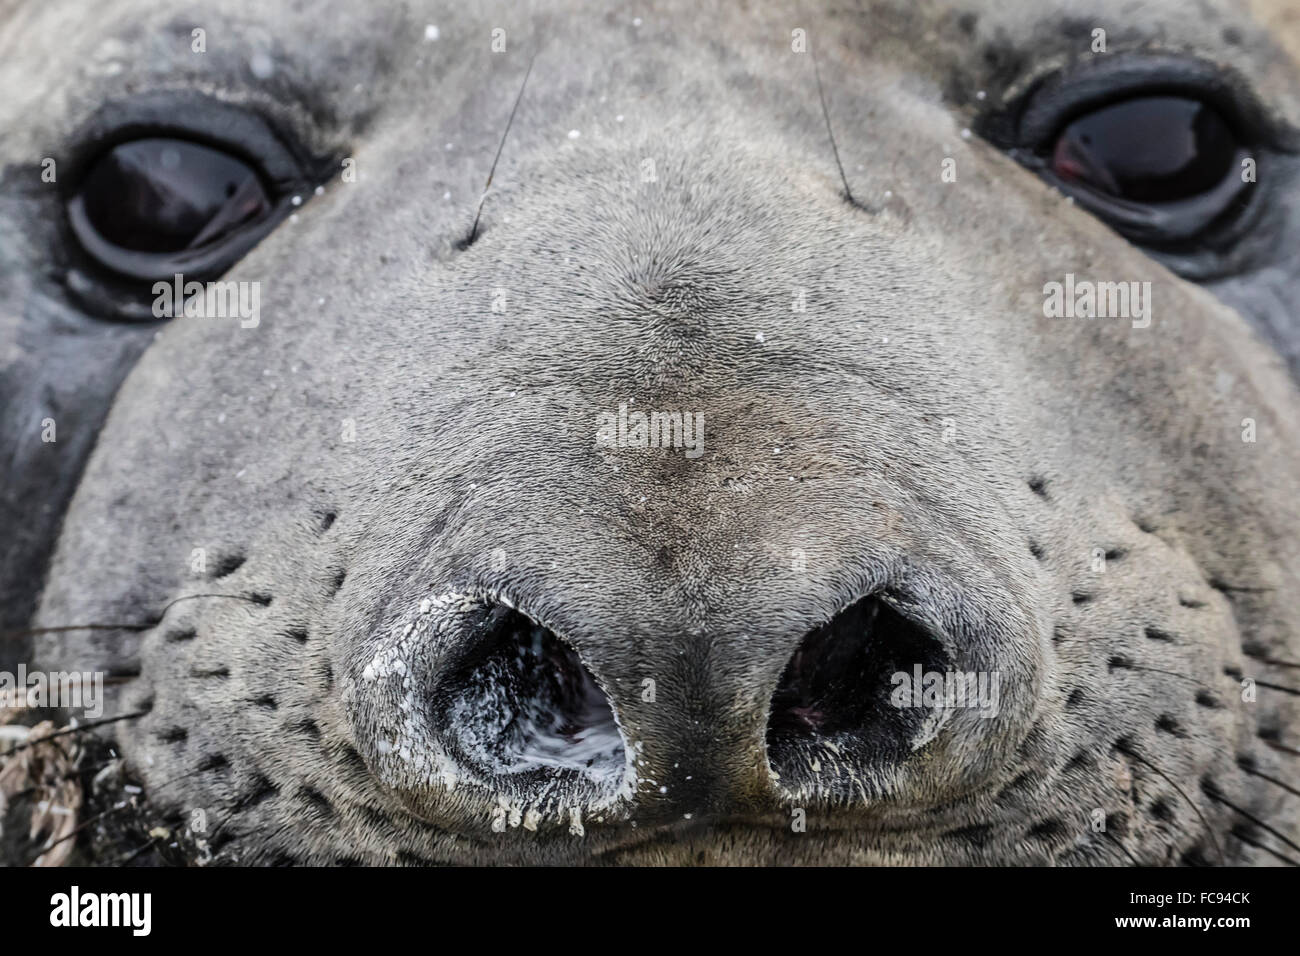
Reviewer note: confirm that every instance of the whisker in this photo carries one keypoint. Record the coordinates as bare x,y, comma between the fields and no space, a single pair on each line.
1213,794
80,728
1275,662
136,852
1113,840
1126,748
1129,665
77,627
1285,690
1221,585
1260,846
1273,780
78,829
154,788
1281,748
826,114
473,232
36,631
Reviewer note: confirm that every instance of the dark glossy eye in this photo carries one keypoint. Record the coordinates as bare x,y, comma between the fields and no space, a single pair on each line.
166,195
151,207
1150,149
1160,169
1170,151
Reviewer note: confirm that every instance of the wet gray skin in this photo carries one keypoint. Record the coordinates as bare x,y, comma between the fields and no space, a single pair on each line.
453,625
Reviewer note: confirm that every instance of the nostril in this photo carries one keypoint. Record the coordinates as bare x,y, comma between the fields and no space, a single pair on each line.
840,689
524,703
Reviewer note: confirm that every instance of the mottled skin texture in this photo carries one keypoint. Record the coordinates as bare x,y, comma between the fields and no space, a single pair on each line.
474,431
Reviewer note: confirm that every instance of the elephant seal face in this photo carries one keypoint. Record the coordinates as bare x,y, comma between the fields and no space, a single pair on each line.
699,504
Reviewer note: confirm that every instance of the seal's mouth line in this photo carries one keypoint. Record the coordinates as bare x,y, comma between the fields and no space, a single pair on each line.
626,838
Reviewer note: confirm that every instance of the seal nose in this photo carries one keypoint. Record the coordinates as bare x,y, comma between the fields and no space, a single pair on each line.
916,690
840,689
477,703
521,702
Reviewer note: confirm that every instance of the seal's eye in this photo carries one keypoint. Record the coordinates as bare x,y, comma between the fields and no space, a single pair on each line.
167,195
152,207
1150,149
1174,153
1161,169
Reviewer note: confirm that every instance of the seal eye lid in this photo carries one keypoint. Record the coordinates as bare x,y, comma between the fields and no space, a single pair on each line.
240,131
1031,120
